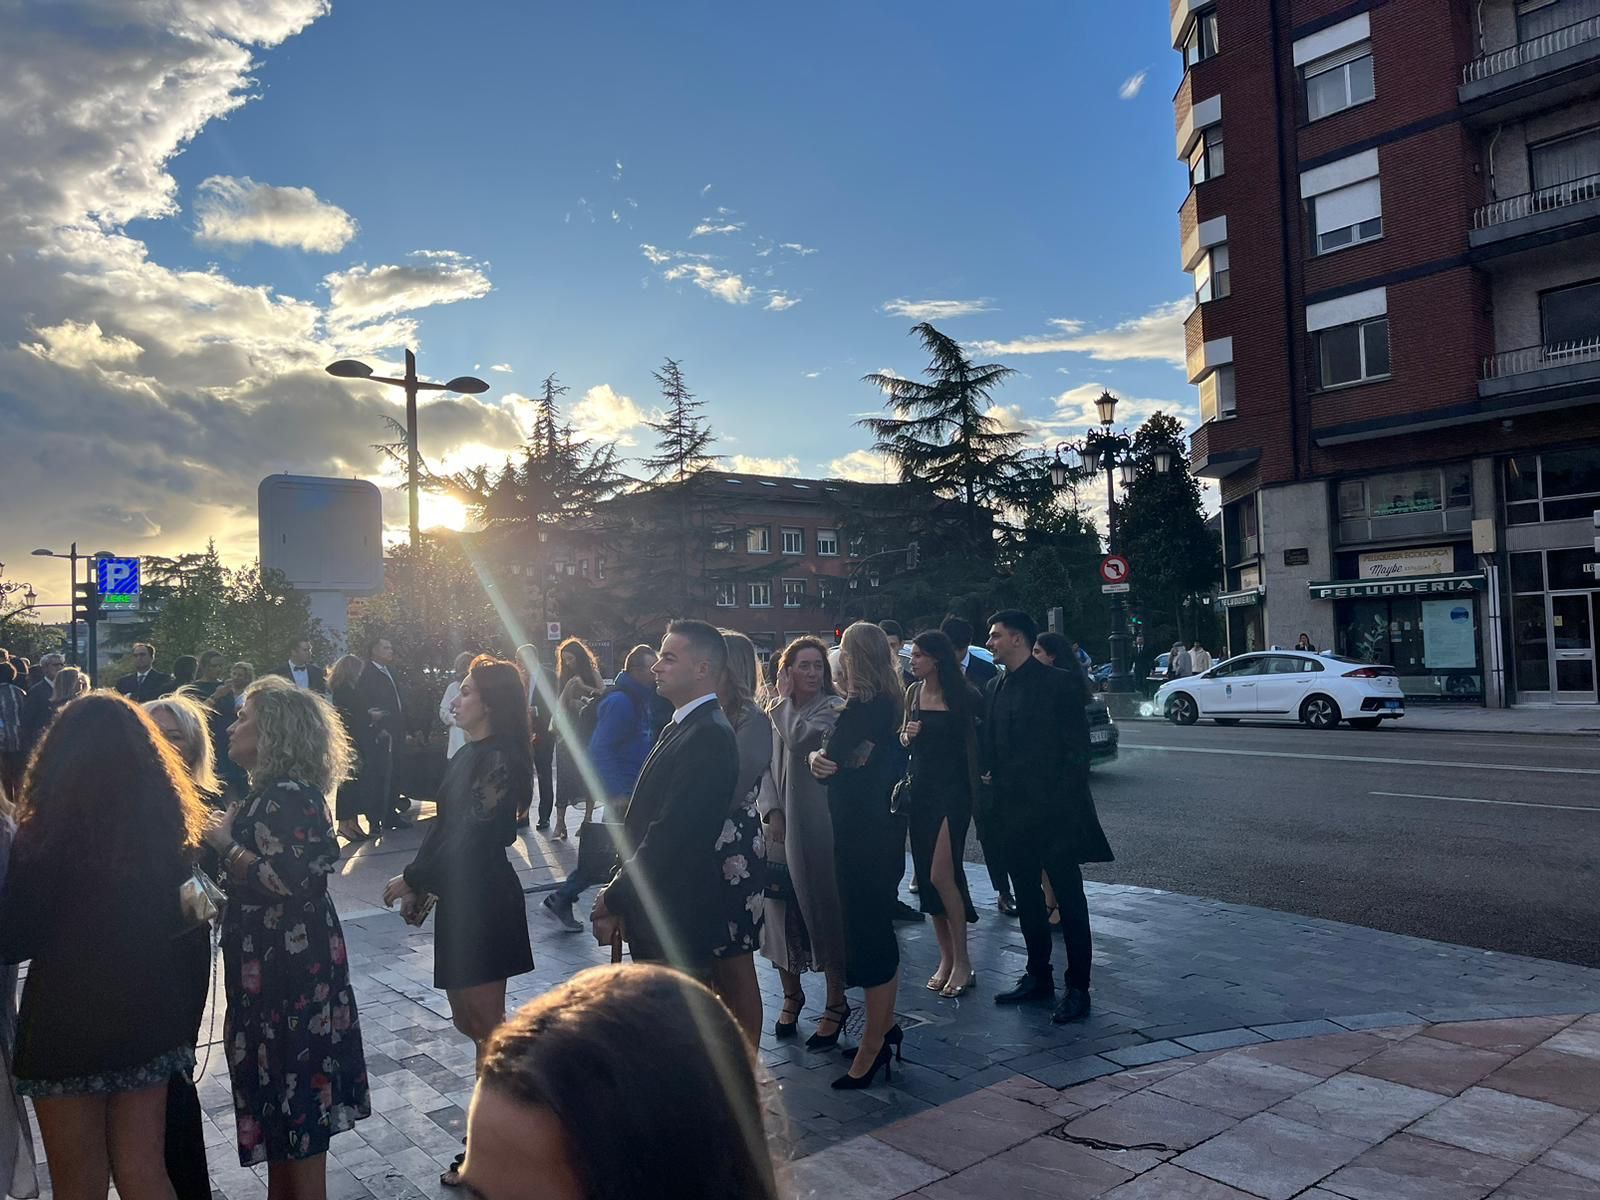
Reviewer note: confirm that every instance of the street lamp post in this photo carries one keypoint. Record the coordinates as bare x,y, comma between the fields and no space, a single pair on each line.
1104,449
72,556
350,368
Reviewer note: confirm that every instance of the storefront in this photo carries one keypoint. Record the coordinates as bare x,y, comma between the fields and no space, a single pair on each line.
1417,609
1243,611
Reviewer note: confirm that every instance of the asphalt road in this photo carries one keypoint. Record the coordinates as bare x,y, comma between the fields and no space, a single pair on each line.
1490,841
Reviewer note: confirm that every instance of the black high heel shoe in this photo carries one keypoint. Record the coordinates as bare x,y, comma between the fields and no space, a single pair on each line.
821,1041
787,1029
890,1048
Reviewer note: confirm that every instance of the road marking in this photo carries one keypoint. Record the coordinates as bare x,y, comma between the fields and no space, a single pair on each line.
1481,800
1361,758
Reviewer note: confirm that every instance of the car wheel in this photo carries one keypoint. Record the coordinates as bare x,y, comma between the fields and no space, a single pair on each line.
1227,720
1365,722
1319,712
1182,710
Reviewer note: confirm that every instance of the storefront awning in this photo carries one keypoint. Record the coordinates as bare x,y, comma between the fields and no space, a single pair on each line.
1240,599
1416,585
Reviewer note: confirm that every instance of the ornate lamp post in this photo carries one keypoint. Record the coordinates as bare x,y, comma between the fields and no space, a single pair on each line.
1109,451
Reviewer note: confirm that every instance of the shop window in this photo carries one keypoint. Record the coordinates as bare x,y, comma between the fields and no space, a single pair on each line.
1527,572
1532,643
1566,569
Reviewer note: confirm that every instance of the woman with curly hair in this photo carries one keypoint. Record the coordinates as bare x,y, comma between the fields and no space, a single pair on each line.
577,681
107,830
293,1041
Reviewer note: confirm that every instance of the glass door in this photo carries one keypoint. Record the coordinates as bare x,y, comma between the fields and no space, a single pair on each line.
1572,648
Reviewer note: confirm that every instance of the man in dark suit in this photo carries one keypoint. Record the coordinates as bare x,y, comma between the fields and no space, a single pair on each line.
36,707
980,674
386,731
301,671
1036,741
959,631
144,683
667,897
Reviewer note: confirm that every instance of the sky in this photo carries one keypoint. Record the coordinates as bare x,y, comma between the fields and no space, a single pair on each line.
203,202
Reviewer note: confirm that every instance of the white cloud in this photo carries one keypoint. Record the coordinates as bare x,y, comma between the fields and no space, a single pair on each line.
440,277
237,210
706,191
1157,335
797,248
1074,408
778,301
1132,85
724,285
812,374
935,310
710,226
616,176
503,368
864,466
83,343
607,416
755,464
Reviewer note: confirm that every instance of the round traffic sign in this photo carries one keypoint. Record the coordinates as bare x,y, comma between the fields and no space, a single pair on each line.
1115,569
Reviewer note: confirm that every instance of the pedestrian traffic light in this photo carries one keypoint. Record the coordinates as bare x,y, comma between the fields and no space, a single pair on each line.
85,602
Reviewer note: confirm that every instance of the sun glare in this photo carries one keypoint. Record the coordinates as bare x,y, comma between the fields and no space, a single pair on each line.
442,512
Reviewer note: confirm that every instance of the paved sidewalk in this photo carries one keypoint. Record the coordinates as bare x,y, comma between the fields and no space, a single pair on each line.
1503,1109
1175,975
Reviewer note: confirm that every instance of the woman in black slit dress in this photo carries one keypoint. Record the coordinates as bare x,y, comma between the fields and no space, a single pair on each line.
940,730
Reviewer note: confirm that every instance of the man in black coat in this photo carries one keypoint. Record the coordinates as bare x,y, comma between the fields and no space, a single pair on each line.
977,671
301,671
667,898
36,706
386,731
981,674
1036,743
144,683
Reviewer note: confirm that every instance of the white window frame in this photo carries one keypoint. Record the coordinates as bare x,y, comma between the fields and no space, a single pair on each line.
1207,160
1211,278
799,538
1221,403
827,543
1369,229
1342,61
758,539
760,595
600,567
794,593
1366,376
727,595
722,538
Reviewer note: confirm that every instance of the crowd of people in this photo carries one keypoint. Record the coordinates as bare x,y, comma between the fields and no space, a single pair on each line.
726,810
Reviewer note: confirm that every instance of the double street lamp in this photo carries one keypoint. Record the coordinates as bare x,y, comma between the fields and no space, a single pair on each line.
350,368
29,599
1112,452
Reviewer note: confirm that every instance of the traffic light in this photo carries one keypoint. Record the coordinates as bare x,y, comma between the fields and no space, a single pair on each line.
85,602
913,556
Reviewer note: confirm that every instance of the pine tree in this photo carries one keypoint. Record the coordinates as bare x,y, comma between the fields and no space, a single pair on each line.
683,436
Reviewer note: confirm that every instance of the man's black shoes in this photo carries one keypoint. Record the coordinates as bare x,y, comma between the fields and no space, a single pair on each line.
1029,988
904,912
1074,1006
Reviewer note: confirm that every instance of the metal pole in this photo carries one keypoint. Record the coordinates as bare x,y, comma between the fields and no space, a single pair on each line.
411,448
72,644
1119,681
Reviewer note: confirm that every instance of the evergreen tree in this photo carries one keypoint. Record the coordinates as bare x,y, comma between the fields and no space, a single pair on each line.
683,436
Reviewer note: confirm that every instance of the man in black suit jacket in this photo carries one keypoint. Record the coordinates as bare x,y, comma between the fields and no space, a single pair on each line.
301,671
1036,743
145,682
386,730
36,708
980,674
977,671
667,897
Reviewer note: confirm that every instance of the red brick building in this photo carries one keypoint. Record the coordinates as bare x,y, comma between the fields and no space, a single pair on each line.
1393,227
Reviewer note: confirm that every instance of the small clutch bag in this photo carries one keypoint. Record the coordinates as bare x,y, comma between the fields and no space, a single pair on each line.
200,901
415,911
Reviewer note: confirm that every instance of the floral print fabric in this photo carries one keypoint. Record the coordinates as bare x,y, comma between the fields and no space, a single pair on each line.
293,1038
742,855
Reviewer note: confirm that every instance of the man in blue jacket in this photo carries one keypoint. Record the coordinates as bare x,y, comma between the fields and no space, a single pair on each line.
621,741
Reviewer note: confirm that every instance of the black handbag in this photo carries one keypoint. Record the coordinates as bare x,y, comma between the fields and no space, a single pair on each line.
900,795
597,850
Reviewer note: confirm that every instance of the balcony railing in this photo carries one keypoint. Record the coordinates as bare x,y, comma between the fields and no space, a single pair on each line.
1538,358
1547,199
1532,50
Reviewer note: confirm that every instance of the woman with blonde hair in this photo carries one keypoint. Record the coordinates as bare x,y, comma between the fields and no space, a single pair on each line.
741,846
296,1082
457,737
858,764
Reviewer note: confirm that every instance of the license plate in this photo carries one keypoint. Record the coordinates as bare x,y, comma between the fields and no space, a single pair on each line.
1099,736
1391,705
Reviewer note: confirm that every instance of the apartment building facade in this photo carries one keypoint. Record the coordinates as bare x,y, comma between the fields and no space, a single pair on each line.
1393,226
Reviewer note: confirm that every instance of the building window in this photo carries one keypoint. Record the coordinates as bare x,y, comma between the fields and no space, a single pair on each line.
1211,274
759,540
1570,318
1568,482
1535,18
1205,160
827,543
857,547
727,595
760,595
794,593
600,567
1339,81
1216,395
722,538
1573,158
583,567
1201,41
1347,216
1354,353
794,541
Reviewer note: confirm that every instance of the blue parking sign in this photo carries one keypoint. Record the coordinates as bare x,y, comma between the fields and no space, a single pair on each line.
118,579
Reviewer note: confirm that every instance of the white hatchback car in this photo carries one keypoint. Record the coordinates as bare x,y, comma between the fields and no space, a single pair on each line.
1318,690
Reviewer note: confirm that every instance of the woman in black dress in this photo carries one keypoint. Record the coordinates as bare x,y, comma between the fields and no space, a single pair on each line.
356,792
859,765
481,930
941,731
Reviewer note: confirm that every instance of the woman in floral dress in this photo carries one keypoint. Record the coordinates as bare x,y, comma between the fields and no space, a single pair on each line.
293,1041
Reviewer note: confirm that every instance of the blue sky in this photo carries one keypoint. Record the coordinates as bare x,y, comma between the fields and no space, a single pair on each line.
557,159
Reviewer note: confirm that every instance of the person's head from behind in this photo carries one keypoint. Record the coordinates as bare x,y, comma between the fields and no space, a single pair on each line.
144,657
493,701
347,670
211,664
52,663
691,662
959,631
462,664
300,652
869,671
70,683
805,662
1053,650
380,650
1012,633
574,660
106,789
184,668
740,684
182,720
560,1114
638,663
896,635
287,733
8,673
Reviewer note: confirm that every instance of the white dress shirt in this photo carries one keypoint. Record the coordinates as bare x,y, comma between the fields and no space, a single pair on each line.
458,735
302,675
679,714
